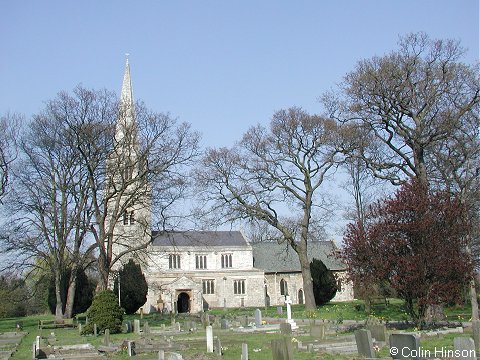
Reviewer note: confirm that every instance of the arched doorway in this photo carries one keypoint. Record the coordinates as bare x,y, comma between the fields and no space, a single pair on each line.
300,296
183,303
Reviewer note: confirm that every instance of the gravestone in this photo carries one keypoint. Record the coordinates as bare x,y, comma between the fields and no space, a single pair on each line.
163,327
161,355
288,302
279,310
244,352
146,328
131,348
177,326
363,338
218,347
128,327
209,336
309,348
245,321
95,330
106,339
317,331
258,318
465,348
282,349
285,329
80,329
379,331
476,334
136,326
404,346
224,324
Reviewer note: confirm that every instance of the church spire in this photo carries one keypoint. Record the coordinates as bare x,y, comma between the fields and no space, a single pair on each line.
126,120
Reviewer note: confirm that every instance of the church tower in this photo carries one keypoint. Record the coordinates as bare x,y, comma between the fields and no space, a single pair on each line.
129,203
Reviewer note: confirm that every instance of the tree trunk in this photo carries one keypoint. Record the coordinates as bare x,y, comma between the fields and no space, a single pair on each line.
103,269
58,295
473,299
70,301
307,280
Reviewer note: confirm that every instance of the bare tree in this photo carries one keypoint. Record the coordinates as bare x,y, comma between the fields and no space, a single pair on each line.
409,101
9,125
50,198
274,175
412,102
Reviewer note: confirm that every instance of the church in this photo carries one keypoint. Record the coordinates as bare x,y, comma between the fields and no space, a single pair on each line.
190,271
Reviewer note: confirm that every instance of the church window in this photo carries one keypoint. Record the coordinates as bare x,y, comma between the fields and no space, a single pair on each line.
283,287
226,261
174,261
208,286
128,217
200,261
239,287
127,170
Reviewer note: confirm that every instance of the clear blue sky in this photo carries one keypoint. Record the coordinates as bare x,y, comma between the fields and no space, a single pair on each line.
220,65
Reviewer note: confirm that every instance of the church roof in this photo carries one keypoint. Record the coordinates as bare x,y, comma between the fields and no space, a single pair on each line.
199,238
274,257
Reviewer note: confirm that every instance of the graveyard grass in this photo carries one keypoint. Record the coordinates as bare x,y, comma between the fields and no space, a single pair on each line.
333,312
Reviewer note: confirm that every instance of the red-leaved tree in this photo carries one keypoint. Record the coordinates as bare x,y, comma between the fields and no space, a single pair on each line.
415,242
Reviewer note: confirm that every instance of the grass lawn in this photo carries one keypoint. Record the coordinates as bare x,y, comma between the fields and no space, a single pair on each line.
232,342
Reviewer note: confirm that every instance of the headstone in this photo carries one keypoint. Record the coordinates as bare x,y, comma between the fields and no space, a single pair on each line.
309,348
107,337
161,355
245,321
379,331
209,335
128,327
476,334
163,327
288,302
244,352
258,318
146,328
279,310
465,348
80,329
317,331
95,332
363,338
177,326
136,326
218,347
131,348
224,324
285,329
404,346
34,351
282,349
141,313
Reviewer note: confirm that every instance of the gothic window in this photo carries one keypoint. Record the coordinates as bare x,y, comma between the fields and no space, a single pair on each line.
239,287
208,286
128,217
200,261
283,287
174,261
226,261
127,170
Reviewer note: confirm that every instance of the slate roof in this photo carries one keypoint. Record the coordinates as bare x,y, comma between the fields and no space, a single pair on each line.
274,257
199,238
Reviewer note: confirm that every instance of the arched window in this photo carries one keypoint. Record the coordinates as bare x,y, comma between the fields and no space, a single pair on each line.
300,296
283,287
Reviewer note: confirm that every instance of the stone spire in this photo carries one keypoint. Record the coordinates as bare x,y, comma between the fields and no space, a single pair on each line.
126,121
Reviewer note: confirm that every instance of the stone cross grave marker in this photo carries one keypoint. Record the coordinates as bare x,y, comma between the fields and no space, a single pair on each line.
258,318
209,335
363,338
288,302
465,348
404,346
